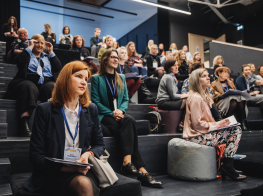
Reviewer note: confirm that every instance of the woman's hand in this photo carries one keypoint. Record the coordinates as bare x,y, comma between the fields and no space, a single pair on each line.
8,34
223,123
49,47
31,44
138,64
118,115
160,68
63,38
184,95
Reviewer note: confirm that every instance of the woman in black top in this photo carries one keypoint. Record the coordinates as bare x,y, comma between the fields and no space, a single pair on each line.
10,29
183,66
154,66
49,35
78,44
35,79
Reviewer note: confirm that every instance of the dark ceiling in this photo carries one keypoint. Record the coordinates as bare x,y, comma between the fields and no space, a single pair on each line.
237,13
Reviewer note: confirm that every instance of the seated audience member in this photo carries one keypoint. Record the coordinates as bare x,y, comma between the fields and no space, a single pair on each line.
154,66
65,37
10,29
231,105
53,133
109,44
168,97
242,84
255,80
187,53
148,48
93,67
161,51
109,93
18,45
49,35
135,62
173,48
95,42
35,79
185,87
116,45
78,44
200,126
133,84
183,66
169,56
218,62
196,58
260,73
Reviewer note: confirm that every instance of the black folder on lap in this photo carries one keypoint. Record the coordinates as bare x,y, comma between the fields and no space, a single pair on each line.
236,92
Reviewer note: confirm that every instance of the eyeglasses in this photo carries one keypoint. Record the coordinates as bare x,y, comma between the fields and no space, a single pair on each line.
115,57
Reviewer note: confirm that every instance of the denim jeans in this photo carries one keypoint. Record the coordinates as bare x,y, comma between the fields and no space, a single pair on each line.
139,71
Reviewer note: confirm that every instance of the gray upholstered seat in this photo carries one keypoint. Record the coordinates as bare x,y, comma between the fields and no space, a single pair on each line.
191,161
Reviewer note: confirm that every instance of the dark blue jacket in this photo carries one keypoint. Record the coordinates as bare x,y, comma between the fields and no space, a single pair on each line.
241,84
93,41
48,140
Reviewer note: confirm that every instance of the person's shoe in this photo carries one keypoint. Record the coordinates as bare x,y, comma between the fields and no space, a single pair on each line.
130,170
24,130
149,181
243,125
227,169
239,172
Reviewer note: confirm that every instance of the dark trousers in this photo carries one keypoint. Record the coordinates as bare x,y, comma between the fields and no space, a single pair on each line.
170,104
27,93
133,85
125,133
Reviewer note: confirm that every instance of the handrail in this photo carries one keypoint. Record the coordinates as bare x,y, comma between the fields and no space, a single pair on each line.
237,45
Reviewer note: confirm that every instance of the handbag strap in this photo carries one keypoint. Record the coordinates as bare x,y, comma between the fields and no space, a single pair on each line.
105,157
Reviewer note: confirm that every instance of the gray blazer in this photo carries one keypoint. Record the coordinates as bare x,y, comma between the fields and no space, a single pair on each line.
167,89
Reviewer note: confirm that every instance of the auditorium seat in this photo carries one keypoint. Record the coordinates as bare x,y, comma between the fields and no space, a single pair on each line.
124,186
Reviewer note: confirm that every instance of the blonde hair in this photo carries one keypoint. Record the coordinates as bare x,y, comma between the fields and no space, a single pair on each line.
216,59
37,37
103,64
195,85
48,27
149,43
171,46
108,37
119,52
128,49
97,29
179,58
196,53
154,45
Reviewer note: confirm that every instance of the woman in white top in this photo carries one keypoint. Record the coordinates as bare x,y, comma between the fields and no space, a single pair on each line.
66,37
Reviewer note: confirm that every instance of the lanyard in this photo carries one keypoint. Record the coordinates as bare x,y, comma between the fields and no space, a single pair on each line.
226,89
66,122
113,93
80,51
176,82
154,58
121,71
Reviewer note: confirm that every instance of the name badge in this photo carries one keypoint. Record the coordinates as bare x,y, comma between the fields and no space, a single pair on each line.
115,104
82,58
155,64
72,154
39,70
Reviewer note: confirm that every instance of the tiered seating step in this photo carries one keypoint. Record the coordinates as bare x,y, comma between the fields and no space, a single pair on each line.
5,167
5,190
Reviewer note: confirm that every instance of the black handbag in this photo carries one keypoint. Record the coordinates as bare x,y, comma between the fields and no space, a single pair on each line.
155,121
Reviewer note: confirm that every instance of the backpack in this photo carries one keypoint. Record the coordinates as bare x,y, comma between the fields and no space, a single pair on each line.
155,121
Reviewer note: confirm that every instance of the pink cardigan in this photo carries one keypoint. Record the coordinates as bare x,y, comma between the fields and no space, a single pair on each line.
198,118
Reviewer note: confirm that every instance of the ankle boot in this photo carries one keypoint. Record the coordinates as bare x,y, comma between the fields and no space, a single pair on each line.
24,130
244,125
217,116
227,169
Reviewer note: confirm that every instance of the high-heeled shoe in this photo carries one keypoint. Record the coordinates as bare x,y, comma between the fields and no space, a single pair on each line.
225,173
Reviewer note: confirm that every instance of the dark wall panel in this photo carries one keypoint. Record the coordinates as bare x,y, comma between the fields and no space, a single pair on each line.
164,26
235,57
146,29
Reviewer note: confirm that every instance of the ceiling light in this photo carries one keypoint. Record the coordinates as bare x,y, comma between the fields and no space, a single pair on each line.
162,6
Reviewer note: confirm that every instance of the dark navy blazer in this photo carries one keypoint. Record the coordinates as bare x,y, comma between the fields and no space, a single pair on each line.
48,140
241,84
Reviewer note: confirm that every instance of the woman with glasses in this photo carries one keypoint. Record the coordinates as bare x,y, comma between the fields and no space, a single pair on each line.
109,93
35,79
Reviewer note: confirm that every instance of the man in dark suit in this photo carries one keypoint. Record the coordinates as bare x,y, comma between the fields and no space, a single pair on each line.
95,42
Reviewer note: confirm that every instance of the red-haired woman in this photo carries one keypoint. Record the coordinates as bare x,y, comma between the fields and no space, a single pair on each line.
70,121
10,29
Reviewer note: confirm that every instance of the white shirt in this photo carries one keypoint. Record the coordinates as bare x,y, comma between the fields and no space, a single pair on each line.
72,118
189,56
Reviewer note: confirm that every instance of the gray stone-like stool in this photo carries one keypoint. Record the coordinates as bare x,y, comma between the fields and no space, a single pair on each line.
191,161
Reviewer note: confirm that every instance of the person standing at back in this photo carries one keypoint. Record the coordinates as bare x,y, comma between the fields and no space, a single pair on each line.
10,29
95,42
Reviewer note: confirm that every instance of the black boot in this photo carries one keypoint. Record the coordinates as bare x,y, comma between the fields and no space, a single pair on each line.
24,130
217,116
244,125
131,170
149,181
227,169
